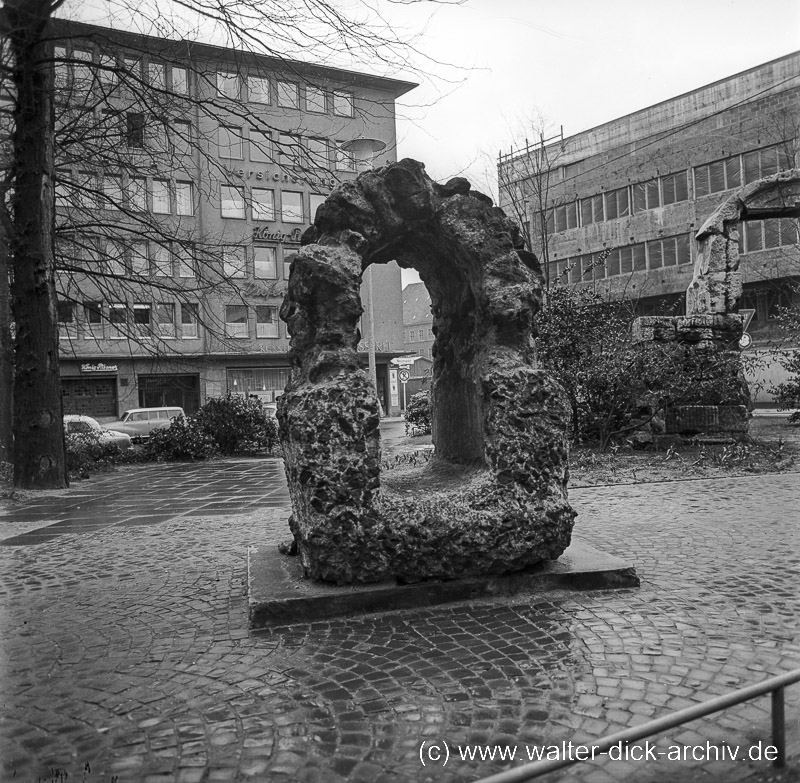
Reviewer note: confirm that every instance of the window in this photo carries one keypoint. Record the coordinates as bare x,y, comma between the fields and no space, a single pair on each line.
591,210
67,323
263,204
639,258
234,261
134,130
646,195
654,254
140,264
184,198
766,234
161,197
93,319
566,216
133,66
157,75
716,176
291,207
318,152
230,142
288,96
117,319
189,321
343,103
287,265
674,188
228,85
260,147
142,319
615,204
107,72
157,135
289,150
162,261
165,320
344,159
258,89
86,193
181,136
115,257
82,75
235,320
266,264
267,321
137,194
180,80
60,67
112,192
316,200
315,100
232,202
185,261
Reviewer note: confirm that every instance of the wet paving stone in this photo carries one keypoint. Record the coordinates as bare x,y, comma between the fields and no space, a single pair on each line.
125,648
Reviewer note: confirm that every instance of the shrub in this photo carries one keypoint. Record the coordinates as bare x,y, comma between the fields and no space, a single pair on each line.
238,425
418,414
85,453
184,439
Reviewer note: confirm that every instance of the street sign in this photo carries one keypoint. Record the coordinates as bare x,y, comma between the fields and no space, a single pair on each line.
404,376
745,341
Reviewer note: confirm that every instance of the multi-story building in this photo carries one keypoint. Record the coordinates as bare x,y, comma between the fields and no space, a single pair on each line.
186,175
417,338
617,206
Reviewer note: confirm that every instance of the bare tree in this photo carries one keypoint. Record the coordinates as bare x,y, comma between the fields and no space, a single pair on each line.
525,179
62,119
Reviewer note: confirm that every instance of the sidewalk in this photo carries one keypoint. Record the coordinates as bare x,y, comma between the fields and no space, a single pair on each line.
125,654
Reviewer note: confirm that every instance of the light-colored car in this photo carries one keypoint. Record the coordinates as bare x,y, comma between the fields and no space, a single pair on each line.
140,422
86,430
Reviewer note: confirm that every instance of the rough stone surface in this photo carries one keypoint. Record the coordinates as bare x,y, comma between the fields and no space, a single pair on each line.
491,410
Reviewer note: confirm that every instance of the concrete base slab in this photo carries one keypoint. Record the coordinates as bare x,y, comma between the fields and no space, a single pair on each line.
278,593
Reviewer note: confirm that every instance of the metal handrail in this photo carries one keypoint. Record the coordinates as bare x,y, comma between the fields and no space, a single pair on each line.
774,685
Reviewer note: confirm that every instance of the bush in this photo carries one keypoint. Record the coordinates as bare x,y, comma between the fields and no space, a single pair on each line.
238,425
184,439
85,454
418,414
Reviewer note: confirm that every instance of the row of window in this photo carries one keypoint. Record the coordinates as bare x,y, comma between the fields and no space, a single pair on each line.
656,254
80,69
90,190
149,259
120,320
715,177
639,257
288,150
237,201
146,320
419,335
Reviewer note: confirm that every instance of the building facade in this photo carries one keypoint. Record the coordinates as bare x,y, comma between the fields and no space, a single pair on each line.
616,207
186,176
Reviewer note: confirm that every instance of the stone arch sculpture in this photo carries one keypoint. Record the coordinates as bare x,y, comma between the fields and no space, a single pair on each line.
498,422
712,322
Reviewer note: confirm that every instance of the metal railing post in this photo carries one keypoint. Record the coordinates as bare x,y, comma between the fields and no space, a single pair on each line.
779,727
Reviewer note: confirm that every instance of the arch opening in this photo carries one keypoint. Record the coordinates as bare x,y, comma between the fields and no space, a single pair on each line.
491,409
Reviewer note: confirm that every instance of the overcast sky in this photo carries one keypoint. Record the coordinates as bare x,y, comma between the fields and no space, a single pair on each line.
578,63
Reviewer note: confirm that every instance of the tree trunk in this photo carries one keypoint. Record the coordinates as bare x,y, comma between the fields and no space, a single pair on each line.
39,458
6,356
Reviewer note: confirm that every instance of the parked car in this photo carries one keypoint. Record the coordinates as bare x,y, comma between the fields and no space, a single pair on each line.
86,431
140,422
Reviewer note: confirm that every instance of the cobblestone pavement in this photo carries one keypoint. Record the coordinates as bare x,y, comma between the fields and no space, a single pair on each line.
125,654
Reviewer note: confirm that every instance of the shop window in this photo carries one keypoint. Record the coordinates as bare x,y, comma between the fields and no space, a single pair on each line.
267,321
235,321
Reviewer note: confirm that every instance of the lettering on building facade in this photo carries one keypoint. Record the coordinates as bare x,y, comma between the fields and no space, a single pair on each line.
267,234
276,176
99,367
